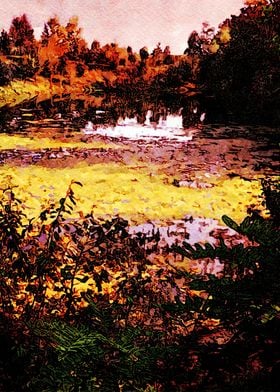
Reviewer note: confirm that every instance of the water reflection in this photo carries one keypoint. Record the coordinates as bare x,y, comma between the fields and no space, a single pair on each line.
111,111
166,116
157,125
168,127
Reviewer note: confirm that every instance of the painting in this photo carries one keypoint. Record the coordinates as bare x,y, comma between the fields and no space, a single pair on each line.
139,195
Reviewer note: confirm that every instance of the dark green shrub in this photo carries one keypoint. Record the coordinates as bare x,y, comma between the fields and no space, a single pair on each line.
6,73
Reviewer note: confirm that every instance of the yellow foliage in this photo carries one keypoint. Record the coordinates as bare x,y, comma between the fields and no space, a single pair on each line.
213,47
224,34
131,192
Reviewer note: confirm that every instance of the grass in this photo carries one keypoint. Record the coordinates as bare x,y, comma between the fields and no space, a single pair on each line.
18,91
11,142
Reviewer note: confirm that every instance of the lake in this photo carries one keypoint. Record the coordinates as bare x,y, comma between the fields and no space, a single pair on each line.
146,166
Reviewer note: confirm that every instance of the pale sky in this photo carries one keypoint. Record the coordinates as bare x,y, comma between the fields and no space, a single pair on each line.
136,23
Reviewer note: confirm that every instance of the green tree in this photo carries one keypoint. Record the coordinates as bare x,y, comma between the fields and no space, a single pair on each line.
243,76
6,73
45,35
131,55
5,44
144,54
201,43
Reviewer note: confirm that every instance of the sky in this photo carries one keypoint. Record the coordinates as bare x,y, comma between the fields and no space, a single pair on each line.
136,23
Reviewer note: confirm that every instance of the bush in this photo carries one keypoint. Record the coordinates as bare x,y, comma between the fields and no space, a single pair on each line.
6,74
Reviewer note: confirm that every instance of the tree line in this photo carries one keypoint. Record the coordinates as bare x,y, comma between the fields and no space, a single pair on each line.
233,71
61,50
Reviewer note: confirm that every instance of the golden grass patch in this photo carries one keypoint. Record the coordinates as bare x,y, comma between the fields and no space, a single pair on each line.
11,142
133,193
19,91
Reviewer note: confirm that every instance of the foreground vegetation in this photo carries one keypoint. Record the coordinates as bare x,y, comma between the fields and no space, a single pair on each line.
84,307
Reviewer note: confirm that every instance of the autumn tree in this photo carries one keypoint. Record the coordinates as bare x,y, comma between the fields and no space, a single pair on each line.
199,46
131,55
59,46
256,2
167,57
222,37
52,46
23,47
76,44
144,55
21,36
45,35
157,55
193,43
95,56
112,55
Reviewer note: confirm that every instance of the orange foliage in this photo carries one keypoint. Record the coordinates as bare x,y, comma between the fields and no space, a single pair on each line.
56,48
60,41
255,2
